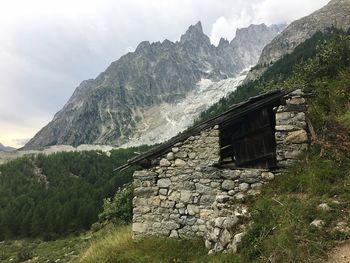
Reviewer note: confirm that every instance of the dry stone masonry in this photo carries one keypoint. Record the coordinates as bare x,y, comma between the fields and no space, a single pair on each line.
187,195
291,128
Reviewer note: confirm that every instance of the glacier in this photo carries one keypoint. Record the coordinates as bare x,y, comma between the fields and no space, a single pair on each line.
162,122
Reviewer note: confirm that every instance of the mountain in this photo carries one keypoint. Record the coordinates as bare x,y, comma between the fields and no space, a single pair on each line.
108,109
6,148
335,14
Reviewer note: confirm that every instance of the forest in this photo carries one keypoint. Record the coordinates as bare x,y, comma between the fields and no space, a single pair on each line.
50,196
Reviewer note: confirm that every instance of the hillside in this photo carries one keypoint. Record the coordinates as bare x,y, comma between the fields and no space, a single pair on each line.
120,104
335,14
305,211
277,75
55,195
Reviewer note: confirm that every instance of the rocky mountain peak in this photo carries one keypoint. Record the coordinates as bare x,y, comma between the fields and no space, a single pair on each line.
223,43
195,34
144,45
249,33
167,42
195,29
129,97
251,28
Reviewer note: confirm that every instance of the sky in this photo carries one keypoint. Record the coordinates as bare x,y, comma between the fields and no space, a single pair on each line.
47,47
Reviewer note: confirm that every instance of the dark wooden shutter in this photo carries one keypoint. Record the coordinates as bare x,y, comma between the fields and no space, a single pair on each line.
254,142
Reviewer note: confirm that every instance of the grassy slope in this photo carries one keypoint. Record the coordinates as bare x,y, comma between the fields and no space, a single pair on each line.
281,231
64,249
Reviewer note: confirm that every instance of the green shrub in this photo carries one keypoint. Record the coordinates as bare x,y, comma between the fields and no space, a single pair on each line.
119,208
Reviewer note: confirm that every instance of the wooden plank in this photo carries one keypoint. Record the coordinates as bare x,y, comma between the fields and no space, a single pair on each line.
250,133
251,148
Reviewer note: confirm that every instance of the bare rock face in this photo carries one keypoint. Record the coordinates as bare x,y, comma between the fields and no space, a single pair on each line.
107,109
335,14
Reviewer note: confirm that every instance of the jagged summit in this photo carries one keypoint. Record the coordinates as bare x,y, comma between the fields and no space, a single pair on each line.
251,28
142,46
110,108
248,33
223,43
195,35
193,30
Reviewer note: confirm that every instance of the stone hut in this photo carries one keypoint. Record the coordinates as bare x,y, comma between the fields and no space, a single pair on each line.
195,185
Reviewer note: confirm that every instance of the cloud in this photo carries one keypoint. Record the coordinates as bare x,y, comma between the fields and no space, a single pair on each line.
226,28
273,11
14,133
48,47
257,12
20,142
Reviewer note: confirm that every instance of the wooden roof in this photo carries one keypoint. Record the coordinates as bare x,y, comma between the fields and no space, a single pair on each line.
236,113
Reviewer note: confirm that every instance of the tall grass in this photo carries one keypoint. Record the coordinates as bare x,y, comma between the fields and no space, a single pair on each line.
107,246
116,245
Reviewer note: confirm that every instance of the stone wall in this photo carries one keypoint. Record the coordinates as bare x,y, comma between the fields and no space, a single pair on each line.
291,128
187,196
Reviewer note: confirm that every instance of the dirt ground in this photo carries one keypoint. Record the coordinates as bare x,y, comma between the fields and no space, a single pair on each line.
340,254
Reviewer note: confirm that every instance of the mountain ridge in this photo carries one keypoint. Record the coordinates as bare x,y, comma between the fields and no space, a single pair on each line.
106,109
335,14
4,148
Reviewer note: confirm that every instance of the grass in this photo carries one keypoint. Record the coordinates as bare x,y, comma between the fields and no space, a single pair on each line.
116,245
282,215
345,119
40,251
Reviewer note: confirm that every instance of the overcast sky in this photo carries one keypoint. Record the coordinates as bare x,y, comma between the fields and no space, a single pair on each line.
47,47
